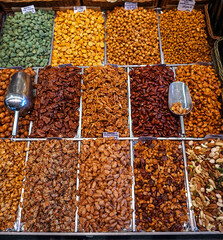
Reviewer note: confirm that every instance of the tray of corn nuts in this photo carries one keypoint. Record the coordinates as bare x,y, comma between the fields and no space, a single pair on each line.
100,152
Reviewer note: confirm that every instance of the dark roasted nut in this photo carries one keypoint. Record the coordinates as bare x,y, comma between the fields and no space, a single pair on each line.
184,38
105,186
132,37
56,108
149,102
12,155
105,103
6,117
159,189
49,203
204,86
205,167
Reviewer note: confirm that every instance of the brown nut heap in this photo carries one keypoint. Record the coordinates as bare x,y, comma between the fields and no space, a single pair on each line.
105,186
132,37
149,102
178,108
159,188
49,203
184,38
56,107
6,117
104,101
205,167
204,86
12,155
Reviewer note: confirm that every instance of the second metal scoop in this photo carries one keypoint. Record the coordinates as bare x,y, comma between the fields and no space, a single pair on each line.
19,96
179,92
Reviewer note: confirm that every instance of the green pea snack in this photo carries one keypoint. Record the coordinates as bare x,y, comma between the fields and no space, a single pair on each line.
26,39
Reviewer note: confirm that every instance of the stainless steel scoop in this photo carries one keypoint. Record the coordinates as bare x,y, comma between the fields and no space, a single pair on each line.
19,96
179,92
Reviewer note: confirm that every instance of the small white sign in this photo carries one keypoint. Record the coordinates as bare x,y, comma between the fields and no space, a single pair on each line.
27,9
131,5
115,135
186,5
79,9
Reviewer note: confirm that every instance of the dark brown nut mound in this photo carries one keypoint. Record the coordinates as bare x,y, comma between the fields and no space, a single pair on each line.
184,37
132,37
49,203
149,102
159,189
105,186
12,155
204,85
6,116
105,103
56,107
205,167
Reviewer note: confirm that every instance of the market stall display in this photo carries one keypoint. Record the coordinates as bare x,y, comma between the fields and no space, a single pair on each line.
26,39
6,116
56,107
79,38
105,186
12,155
205,166
160,194
204,85
49,203
104,101
132,37
184,37
149,102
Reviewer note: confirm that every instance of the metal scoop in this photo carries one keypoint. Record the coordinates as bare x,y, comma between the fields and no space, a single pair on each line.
19,96
179,92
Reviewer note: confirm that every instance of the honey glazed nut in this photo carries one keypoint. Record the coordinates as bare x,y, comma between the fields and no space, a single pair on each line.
105,186
160,197
149,102
205,168
49,203
104,101
132,37
12,155
6,116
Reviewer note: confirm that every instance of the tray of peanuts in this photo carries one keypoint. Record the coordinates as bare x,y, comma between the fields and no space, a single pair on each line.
100,152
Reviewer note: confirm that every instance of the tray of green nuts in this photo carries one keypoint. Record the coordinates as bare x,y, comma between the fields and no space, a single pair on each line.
26,39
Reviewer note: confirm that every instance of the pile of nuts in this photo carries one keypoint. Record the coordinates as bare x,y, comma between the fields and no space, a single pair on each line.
6,117
149,102
178,108
49,203
204,85
184,38
105,186
132,37
205,167
56,107
159,186
79,38
12,155
104,101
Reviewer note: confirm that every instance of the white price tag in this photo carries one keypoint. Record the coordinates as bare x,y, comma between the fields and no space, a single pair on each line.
186,5
115,135
131,5
27,9
79,9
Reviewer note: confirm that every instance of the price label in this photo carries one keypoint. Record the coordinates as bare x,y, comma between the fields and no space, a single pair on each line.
27,9
115,135
131,5
79,9
186,5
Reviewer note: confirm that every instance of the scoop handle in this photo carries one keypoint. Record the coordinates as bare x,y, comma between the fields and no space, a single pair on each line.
15,123
182,125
